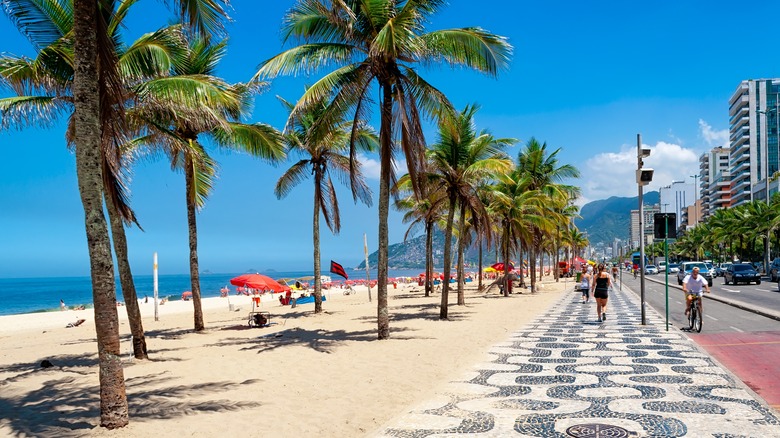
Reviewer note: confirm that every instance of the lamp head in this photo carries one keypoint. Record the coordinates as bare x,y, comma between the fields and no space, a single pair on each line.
644,176
644,153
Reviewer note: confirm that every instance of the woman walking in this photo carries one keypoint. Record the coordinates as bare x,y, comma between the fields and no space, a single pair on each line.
600,286
585,281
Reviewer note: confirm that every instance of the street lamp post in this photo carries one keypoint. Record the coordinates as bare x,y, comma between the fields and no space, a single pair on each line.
643,178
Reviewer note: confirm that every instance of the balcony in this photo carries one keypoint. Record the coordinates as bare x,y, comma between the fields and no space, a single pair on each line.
738,133
743,111
739,168
743,100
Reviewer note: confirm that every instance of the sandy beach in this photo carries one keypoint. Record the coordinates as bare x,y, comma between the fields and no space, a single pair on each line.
303,375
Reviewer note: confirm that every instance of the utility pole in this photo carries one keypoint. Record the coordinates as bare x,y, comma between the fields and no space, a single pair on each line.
643,178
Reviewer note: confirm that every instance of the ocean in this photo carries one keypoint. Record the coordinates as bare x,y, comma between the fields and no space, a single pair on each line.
29,295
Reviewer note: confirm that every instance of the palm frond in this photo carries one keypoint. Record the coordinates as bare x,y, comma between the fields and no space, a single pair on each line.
204,17
311,20
306,58
152,55
472,47
23,111
291,178
257,139
42,21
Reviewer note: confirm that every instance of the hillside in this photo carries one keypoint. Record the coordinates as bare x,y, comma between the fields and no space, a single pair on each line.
607,219
603,220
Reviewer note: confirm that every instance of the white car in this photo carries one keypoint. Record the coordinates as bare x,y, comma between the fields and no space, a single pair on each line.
674,268
650,270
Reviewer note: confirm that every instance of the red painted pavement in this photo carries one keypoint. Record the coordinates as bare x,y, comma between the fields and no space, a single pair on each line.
753,357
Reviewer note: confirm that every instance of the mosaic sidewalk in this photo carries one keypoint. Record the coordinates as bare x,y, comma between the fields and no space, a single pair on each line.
568,375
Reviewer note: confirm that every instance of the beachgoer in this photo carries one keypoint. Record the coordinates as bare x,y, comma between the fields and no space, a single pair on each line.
62,305
694,284
600,287
585,284
614,273
146,298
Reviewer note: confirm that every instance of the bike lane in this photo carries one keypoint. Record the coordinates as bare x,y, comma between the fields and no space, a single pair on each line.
753,357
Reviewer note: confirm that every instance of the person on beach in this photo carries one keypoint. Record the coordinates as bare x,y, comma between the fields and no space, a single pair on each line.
600,287
62,305
585,284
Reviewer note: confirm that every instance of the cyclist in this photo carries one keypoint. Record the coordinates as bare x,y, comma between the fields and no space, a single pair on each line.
693,284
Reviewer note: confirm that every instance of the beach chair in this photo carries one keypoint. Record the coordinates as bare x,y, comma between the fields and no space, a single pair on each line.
259,319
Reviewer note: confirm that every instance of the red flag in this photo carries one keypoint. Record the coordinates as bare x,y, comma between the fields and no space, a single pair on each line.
338,269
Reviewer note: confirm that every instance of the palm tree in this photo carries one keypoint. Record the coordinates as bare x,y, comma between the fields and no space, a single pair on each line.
518,209
92,48
44,91
424,211
458,162
323,146
173,112
382,42
544,174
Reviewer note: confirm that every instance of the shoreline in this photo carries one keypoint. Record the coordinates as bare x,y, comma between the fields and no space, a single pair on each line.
327,371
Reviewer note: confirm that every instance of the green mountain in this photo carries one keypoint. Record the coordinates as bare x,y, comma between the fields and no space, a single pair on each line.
411,254
607,219
604,221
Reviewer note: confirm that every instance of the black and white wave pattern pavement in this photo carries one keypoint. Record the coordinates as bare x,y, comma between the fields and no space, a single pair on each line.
567,375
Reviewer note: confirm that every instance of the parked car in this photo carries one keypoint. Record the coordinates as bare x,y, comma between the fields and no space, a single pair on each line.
774,270
661,266
711,268
721,270
650,270
687,267
674,268
741,273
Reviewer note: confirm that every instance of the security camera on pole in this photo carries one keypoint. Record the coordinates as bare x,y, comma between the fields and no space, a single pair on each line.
643,178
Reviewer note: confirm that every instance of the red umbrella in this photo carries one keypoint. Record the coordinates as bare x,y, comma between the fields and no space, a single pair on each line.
500,266
259,282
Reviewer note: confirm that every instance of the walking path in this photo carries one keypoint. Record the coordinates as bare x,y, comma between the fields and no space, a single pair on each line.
567,375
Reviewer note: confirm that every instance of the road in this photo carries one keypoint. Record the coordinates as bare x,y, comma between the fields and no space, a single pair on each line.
718,317
746,343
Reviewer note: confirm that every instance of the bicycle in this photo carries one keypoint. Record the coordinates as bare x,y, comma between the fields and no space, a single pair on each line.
694,315
348,290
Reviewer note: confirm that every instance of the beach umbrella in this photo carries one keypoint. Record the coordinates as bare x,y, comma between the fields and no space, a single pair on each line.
259,282
500,266
489,269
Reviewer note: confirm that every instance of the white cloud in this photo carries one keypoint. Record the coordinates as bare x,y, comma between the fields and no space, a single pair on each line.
614,173
713,137
371,167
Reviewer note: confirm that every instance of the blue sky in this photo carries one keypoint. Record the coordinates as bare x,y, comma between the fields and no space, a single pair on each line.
586,77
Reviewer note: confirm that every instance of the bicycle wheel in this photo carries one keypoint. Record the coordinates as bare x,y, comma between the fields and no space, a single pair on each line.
691,317
697,320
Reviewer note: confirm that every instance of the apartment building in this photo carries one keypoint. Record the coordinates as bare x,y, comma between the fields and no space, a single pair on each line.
714,174
754,122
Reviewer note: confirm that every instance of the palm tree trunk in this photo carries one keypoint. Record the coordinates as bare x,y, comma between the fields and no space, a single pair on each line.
428,258
126,281
532,263
113,398
479,281
445,289
316,234
385,148
506,259
193,235
461,249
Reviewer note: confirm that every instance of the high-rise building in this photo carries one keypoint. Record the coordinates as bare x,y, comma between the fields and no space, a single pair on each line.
754,121
715,180
675,197
649,212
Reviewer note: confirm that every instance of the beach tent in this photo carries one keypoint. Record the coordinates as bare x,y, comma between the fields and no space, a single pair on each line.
259,282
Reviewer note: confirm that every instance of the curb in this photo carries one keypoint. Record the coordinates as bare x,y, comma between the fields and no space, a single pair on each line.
739,305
